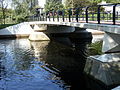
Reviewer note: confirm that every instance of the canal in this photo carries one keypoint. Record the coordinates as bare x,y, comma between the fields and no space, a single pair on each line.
43,65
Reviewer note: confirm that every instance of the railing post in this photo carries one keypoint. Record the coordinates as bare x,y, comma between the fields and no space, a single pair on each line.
46,16
63,14
39,17
114,12
58,15
49,15
98,14
43,17
70,13
77,14
53,13
86,12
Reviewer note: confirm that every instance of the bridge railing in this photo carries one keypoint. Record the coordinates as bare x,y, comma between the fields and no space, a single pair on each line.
100,14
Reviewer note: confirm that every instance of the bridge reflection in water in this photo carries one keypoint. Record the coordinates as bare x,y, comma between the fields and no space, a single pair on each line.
43,65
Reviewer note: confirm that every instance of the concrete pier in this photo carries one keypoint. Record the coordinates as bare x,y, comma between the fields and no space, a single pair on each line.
38,36
22,30
105,68
38,33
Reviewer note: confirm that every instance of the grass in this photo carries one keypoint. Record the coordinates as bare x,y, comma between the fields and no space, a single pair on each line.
5,25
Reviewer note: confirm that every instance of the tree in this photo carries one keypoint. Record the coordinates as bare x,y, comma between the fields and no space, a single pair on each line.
76,3
112,1
3,7
53,5
83,3
22,9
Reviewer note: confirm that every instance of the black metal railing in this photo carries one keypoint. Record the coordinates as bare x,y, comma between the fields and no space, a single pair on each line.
90,14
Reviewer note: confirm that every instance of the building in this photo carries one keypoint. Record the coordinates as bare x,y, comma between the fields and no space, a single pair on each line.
109,9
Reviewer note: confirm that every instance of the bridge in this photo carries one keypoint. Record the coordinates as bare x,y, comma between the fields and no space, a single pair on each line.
75,21
91,17
70,25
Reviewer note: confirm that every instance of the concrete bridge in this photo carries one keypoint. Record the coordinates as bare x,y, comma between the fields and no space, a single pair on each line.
104,68
111,40
74,27
87,18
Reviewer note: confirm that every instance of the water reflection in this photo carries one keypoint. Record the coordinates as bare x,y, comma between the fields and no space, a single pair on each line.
45,65
19,69
67,63
39,49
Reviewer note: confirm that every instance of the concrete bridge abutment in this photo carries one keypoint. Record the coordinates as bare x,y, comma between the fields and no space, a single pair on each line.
67,35
38,33
111,42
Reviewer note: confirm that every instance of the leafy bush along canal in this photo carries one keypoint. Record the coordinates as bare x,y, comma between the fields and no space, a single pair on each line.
44,65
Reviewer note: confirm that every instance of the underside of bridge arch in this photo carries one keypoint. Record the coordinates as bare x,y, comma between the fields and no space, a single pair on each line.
64,34
68,35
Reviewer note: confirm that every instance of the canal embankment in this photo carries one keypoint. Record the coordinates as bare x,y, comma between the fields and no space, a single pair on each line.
21,30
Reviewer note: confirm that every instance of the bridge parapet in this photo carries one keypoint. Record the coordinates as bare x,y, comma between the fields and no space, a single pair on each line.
90,14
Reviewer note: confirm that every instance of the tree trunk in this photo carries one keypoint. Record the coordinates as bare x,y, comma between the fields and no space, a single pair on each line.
4,17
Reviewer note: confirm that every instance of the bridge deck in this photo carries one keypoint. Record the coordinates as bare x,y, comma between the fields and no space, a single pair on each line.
101,27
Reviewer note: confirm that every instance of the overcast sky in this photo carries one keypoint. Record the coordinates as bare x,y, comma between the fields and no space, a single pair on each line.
41,3
9,3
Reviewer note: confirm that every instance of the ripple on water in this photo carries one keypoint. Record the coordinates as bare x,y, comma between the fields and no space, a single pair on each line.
21,70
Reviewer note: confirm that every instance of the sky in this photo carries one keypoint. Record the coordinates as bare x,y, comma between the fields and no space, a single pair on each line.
41,3
9,3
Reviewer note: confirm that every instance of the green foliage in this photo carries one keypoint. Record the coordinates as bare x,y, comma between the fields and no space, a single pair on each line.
3,9
95,48
83,3
95,2
53,5
7,16
76,3
112,1
21,10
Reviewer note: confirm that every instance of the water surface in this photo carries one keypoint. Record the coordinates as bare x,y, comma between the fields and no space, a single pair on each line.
44,65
